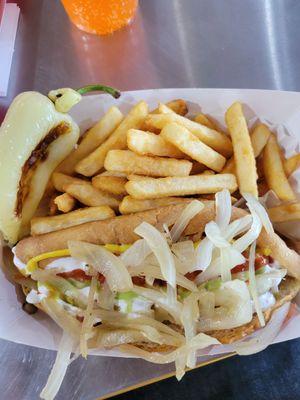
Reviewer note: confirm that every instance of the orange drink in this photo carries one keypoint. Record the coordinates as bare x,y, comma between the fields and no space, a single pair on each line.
100,16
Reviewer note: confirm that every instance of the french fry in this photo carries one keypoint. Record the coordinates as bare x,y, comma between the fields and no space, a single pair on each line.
110,184
93,138
189,144
285,212
214,139
65,202
229,167
179,106
112,173
259,138
41,225
94,162
148,143
204,120
134,177
127,161
52,206
243,151
131,205
291,164
90,196
274,171
180,186
60,180
197,168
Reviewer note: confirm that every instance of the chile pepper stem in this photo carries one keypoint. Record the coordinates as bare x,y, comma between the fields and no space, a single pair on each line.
99,88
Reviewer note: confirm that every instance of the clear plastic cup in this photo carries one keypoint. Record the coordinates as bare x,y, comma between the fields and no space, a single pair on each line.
100,16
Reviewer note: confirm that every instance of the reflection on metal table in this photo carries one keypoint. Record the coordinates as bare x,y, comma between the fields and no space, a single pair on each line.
191,43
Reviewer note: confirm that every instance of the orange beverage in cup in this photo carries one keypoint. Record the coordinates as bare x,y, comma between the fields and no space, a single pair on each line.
100,16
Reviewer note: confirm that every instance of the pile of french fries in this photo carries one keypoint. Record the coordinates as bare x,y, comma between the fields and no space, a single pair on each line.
144,160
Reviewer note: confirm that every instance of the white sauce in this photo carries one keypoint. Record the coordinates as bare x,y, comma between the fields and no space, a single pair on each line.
67,264
138,305
266,300
35,297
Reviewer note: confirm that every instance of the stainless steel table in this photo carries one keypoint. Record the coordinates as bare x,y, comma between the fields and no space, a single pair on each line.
171,43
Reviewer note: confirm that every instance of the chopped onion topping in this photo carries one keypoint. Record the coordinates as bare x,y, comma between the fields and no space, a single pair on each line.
214,234
155,272
159,245
59,368
187,214
226,264
252,285
223,208
233,307
63,318
198,342
204,254
248,238
237,227
254,205
161,300
263,337
136,254
87,324
185,253
104,262
190,314
134,319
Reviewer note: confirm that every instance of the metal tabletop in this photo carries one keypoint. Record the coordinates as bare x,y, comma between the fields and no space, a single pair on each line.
171,43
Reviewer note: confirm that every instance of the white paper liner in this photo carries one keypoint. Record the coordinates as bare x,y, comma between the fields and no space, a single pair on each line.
281,110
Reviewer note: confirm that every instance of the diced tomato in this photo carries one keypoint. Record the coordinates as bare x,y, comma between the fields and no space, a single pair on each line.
192,275
260,261
138,280
80,275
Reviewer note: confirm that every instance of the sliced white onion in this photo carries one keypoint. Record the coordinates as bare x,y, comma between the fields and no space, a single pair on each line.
186,256
213,233
237,227
204,254
233,307
123,319
248,238
63,319
149,333
105,262
267,281
198,342
87,324
214,269
159,245
149,280
155,272
189,212
263,337
223,208
255,205
59,369
206,301
114,337
136,254
190,314
225,262
252,285
105,297
161,300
